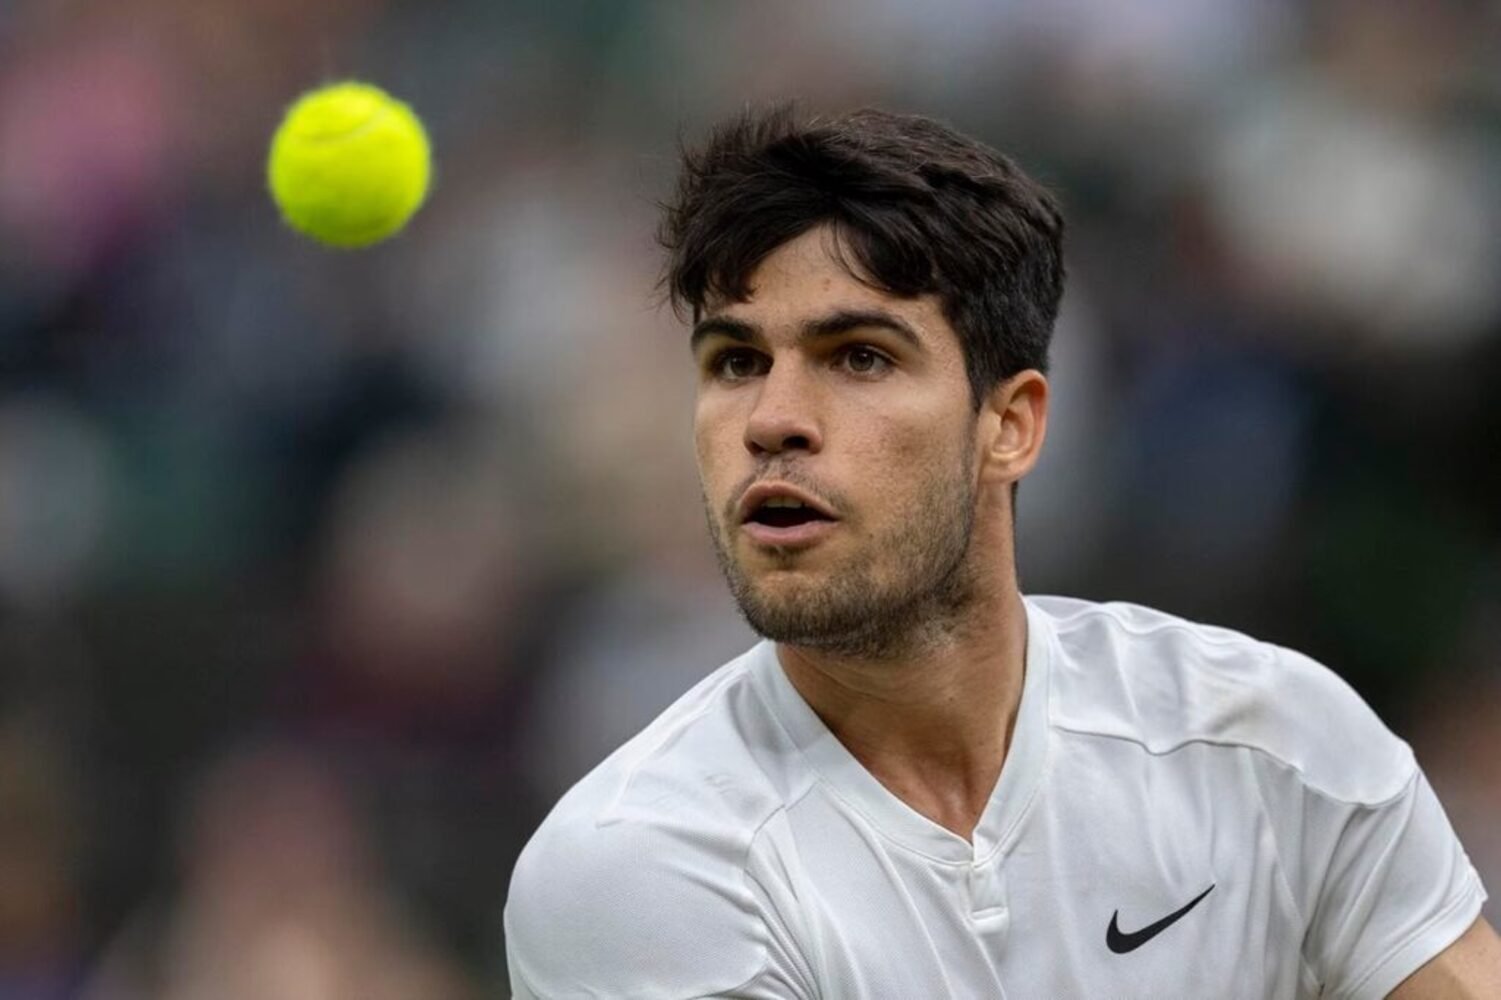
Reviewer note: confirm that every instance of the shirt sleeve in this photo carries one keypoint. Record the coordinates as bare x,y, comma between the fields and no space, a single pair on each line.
1397,889
628,909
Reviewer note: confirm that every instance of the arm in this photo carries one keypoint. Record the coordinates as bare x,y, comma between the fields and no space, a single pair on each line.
1469,969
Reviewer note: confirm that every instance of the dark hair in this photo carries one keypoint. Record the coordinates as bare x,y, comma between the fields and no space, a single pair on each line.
924,208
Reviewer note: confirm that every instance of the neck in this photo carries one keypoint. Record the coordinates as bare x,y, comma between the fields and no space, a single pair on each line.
933,726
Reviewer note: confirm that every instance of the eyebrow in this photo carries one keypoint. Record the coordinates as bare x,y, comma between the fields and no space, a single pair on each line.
836,323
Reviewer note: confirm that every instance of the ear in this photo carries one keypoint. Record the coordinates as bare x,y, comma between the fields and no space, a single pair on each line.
1014,422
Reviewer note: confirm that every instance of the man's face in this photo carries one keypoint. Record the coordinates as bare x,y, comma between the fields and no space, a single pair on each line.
822,390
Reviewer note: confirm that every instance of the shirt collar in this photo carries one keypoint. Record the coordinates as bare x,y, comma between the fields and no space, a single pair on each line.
1021,774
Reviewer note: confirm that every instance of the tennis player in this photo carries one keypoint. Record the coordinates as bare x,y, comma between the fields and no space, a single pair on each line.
923,784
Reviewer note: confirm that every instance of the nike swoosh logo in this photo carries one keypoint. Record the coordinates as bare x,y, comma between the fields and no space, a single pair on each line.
1120,943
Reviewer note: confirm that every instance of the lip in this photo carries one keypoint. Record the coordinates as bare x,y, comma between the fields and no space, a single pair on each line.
762,492
796,536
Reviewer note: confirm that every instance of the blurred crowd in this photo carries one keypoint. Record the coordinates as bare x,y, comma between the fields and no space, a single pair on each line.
323,574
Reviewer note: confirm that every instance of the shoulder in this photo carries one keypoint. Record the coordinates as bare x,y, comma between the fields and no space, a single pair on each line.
635,884
1163,682
632,907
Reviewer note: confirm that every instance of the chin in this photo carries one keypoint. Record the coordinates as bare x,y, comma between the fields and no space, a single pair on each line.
776,593
782,575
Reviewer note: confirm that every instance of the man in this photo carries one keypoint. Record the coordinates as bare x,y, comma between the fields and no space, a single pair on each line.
922,784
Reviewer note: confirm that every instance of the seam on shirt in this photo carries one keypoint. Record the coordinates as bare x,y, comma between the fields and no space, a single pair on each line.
1210,635
1004,842
607,813
1307,782
833,789
746,874
1405,789
765,964
875,825
1282,879
1218,635
1473,895
787,804
755,835
1013,833
1010,836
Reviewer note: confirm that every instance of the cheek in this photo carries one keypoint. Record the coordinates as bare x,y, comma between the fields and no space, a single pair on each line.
892,448
713,445
902,461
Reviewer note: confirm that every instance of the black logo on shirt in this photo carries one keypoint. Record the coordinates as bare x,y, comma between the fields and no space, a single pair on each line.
1120,942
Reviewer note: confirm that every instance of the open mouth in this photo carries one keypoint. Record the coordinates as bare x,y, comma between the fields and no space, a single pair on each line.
781,516
784,512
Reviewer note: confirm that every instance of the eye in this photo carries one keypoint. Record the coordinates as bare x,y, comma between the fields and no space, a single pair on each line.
863,360
735,364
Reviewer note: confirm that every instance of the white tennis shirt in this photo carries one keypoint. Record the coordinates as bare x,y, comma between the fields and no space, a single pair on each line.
1185,812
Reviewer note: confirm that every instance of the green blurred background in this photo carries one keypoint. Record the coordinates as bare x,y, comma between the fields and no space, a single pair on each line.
323,574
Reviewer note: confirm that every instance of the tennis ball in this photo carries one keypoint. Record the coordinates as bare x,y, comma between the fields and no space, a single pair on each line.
349,164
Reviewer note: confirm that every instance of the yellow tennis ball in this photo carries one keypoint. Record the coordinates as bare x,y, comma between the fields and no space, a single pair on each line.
349,164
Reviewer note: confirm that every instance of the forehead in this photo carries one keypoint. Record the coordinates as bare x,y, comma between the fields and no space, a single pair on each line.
805,278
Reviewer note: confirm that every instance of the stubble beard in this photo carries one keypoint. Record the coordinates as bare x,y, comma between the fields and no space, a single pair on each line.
856,611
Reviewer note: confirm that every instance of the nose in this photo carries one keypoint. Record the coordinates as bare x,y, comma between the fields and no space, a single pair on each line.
783,417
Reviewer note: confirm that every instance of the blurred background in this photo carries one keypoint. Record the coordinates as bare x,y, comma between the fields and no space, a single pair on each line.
322,575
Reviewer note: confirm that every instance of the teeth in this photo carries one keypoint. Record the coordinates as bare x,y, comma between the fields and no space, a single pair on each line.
782,502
